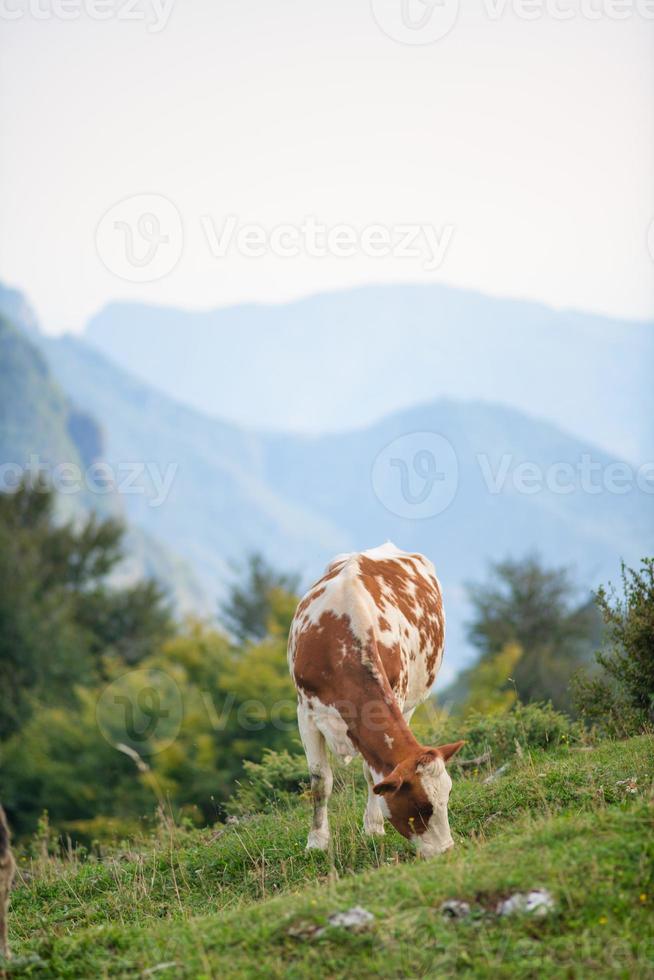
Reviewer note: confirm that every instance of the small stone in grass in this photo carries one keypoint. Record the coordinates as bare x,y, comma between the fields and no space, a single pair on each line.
630,785
355,919
303,930
455,909
538,903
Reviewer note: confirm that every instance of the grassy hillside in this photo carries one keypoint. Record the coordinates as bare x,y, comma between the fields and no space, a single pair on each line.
243,900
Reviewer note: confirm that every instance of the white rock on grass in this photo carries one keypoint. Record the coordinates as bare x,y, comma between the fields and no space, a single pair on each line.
630,785
355,919
453,908
538,903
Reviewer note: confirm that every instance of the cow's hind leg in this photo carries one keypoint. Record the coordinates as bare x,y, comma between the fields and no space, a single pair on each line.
373,818
320,771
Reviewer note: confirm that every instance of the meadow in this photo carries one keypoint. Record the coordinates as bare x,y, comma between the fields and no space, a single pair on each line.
172,842
244,899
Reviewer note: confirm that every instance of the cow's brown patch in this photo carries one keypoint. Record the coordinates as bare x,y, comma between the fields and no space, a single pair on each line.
332,664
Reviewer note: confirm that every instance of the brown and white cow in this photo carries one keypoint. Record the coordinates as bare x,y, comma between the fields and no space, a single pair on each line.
365,646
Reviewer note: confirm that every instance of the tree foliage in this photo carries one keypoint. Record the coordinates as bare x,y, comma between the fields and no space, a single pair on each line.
139,712
524,604
619,696
59,615
255,598
491,689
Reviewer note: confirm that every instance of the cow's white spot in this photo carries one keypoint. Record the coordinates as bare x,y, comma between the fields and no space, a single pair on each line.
330,724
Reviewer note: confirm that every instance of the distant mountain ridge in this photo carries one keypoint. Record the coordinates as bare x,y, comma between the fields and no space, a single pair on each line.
42,429
39,425
341,361
299,499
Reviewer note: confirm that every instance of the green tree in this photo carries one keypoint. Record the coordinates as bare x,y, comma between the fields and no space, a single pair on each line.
490,684
619,698
60,762
537,608
230,705
238,702
59,615
252,601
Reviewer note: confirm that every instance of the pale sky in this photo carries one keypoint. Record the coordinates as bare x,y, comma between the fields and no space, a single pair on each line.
532,141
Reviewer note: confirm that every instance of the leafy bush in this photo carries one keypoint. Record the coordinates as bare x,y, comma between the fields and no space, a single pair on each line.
619,699
275,780
230,706
280,776
527,726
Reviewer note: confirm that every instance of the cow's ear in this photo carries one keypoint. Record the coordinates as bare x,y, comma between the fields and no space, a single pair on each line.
447,751
389,785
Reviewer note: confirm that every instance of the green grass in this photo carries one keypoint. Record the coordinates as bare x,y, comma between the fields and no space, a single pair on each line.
222,906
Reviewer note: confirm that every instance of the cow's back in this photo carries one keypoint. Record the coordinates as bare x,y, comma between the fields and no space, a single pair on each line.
375,620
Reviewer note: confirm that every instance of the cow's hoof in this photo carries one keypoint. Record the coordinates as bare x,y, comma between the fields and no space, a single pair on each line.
373,824
317,841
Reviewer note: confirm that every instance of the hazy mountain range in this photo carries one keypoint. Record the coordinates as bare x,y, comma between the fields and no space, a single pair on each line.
41,427
342,360
302,498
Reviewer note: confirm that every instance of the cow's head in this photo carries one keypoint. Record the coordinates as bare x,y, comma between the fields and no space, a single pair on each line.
414,797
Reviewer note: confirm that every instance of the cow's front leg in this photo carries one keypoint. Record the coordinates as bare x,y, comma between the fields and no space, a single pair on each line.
322,780
373,818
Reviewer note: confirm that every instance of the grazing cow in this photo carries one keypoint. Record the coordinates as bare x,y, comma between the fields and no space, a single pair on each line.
7,871
365,646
